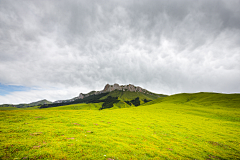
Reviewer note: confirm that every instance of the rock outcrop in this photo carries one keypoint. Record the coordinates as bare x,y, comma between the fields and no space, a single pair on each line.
66,101
81,96
110,88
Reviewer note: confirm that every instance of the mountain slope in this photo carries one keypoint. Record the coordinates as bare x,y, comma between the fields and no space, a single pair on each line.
128,95
116,99
113,96
202,98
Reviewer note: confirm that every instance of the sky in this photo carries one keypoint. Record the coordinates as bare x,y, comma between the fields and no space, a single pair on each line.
56,49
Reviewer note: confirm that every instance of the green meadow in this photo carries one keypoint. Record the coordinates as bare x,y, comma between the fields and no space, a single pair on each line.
185,126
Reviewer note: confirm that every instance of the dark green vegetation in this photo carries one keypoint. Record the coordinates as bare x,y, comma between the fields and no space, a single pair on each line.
119,98
109,101
183,126
90,99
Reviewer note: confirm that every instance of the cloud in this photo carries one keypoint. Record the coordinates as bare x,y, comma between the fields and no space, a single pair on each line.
164,46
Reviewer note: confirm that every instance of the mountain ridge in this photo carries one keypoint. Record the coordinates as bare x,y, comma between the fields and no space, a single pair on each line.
115,86
112,96
109,88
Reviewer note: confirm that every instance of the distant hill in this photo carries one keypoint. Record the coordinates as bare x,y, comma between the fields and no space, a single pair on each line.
112,96
202,98
41,102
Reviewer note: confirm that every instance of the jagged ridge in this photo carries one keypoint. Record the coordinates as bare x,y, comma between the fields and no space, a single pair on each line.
112,95
110,88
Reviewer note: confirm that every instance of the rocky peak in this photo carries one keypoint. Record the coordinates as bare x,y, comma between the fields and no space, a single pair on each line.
81,96
110,88
106,88
130,87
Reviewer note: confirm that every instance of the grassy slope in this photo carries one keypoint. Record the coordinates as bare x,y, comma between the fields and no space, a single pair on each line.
122,96
89,106
120,104
9,108
15,108
172,129
202,98
80,106
127,95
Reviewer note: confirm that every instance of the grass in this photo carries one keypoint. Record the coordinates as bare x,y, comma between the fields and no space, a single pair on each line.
205,99
9,108
15,108
81,106
176,128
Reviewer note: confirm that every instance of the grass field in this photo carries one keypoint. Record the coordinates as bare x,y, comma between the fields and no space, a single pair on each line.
165,129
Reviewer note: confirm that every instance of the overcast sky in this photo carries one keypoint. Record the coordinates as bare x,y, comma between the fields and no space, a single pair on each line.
55,49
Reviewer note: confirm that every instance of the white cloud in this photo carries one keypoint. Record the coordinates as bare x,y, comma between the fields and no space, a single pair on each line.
166,47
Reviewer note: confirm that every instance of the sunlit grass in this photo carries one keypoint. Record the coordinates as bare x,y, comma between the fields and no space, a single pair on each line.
81,106
158,131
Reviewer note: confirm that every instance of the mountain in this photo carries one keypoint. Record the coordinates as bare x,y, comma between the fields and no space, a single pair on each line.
110,88
112,96
41,102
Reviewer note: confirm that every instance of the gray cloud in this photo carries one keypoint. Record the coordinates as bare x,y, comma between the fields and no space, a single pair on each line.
164,46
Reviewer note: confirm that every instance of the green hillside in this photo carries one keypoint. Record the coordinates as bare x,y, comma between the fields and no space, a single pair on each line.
202,98
127,95
209,105
80,106
114,99
15,108
174,127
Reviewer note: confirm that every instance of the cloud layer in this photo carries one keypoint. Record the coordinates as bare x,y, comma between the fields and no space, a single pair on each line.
66,47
